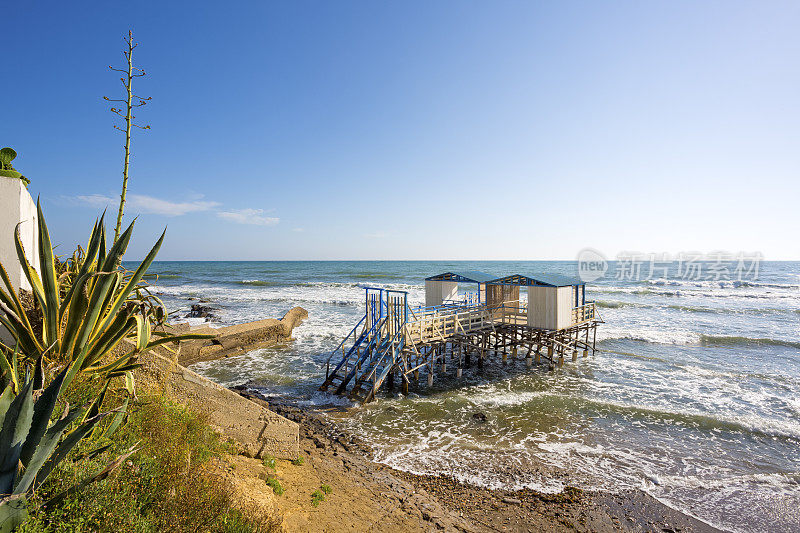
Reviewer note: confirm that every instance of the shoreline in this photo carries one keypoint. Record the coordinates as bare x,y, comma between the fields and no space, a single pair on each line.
414,502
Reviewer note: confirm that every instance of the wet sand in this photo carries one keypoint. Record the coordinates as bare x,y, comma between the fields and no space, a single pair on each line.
371,497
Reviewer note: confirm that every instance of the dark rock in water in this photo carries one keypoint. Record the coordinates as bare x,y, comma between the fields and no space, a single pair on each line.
202,311
479,417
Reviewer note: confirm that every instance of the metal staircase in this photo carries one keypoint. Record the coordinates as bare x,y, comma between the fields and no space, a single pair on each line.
372,348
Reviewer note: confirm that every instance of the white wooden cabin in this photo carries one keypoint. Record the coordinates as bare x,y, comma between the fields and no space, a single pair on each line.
554,301
443,288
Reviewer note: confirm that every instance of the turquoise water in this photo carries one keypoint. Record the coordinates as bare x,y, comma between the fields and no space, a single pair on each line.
693,398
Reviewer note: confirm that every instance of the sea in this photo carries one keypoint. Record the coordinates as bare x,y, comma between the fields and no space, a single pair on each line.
693,395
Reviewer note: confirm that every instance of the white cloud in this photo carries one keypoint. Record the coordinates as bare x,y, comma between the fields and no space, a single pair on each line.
94,200
157,206
140,203
248,216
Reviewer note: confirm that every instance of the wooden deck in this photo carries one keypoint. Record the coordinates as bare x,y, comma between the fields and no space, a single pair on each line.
394,340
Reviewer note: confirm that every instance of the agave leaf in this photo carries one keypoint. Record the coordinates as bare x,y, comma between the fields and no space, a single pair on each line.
97,477
47,266
111,340
30,273
43,450
77,311
142,332
42,412
117,420
103,285
88,261
9,371
66,445
130,384
22,335
13,512
113,365
93,247
5,401
101,251
38,374
176,338
94,408
114,257
16,425
13,300
123,370
135,278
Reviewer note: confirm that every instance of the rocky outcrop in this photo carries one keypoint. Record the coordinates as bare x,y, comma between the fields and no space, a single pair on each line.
234,340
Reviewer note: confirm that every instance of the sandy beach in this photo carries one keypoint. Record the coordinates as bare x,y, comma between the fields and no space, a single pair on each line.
367,496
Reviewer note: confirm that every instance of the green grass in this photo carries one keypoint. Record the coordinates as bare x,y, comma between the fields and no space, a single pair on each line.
268,461
277,488
316,498
299,461
326,489
173,482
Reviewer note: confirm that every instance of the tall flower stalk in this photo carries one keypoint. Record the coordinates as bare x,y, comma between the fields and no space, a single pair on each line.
131,101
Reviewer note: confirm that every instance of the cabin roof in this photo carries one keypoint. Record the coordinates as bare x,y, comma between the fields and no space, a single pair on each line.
473,276
547,280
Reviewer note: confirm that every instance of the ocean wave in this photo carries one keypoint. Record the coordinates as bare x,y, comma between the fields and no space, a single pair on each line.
722,340
372,275
758,425
258,283
649,335
612,305
722,284
693,291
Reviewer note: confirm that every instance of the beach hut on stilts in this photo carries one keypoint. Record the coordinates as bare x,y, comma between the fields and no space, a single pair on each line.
543,318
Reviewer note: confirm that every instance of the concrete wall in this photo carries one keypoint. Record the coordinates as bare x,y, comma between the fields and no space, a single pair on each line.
17,206
234,340
257,430
438,291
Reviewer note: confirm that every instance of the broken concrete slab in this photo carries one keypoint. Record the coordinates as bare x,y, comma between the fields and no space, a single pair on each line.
238,339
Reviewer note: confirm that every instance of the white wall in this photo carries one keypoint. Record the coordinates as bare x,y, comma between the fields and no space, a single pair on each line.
566,301
550,307
438,291
16,205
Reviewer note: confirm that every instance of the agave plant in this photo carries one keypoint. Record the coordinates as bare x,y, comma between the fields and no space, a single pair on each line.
89,310
30,447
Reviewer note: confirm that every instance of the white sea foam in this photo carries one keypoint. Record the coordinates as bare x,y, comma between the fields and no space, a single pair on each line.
693,393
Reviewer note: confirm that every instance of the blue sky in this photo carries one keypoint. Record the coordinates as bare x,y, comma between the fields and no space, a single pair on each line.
416,130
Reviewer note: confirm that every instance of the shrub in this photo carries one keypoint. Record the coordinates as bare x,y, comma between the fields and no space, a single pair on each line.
299,461
316,498
277,488
268,461
171,484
